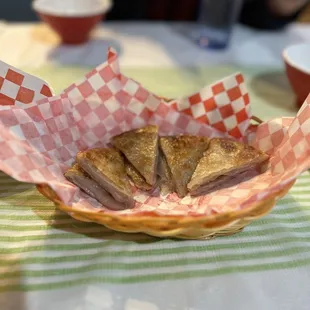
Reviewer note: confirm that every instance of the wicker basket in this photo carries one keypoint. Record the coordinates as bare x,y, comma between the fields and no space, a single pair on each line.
202,227
189,227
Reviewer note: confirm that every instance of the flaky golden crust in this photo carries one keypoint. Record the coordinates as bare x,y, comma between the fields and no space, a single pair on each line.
182,154
81,179
140,147
110,164
224,156
76,170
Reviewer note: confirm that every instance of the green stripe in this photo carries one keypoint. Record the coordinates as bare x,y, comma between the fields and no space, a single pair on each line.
103,232
290,200
274,230
135,253
294,209
50,222
271,220
34,197
296,195
297,192
12,182
21,200
155,264
72,223
20,208
305,175
23,204
301,184
155,277
13,190
100,232
50,216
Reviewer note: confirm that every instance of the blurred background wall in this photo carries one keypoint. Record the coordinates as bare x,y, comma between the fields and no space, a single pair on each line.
20,10
16,10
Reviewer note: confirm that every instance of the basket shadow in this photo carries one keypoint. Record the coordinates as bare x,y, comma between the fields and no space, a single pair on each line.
60,220
10,299
274,85
93,53
10,186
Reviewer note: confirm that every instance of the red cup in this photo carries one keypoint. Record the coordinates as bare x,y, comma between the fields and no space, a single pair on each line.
72,20
297,64
72,30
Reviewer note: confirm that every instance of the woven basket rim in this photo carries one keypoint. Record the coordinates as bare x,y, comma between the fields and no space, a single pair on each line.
249,212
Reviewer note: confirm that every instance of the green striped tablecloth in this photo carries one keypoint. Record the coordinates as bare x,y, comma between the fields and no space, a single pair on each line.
44,250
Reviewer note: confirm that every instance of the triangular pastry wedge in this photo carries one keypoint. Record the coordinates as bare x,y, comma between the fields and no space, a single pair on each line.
106,167
140,147
182,154
82,180
224,159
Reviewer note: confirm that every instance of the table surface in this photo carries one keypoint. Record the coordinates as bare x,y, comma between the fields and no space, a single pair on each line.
48,259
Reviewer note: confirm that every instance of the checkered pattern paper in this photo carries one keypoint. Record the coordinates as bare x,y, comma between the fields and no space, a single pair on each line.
19,89
294,151
269,135
223,105
38,142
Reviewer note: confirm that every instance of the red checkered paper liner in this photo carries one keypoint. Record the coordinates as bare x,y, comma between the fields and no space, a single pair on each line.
39,141
18,88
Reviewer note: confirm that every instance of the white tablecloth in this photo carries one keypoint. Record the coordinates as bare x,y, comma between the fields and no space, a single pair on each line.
149,45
